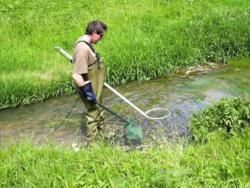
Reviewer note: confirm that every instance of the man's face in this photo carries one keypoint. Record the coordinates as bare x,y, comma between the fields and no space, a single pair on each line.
96,37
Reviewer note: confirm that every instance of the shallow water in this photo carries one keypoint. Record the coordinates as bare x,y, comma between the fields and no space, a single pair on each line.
58,120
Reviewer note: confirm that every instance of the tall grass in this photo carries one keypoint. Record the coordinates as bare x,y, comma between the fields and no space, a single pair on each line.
219,163
146,39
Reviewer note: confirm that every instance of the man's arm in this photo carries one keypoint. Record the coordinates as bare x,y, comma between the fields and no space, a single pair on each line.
78,79
80,74
80,64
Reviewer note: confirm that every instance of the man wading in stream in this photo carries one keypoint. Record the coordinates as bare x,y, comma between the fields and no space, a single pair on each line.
89,75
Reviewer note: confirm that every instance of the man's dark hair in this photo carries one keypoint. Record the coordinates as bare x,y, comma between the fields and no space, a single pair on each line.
96,26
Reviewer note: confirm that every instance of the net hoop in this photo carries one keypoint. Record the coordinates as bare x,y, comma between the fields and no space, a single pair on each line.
168,113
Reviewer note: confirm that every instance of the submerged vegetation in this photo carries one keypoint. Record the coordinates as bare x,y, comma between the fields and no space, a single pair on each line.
159,38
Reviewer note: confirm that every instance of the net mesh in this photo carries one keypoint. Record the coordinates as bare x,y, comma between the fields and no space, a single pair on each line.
133,132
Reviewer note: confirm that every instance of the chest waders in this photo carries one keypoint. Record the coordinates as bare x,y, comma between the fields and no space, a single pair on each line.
94,115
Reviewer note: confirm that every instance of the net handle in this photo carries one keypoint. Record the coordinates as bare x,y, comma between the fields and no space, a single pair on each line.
145,114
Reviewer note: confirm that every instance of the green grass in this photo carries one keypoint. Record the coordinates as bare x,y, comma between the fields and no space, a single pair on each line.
219,163
146,39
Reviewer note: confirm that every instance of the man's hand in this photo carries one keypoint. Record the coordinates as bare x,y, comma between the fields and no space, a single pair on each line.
87,91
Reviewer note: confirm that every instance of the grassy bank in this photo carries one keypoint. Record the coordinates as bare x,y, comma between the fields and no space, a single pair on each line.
146,39
219,163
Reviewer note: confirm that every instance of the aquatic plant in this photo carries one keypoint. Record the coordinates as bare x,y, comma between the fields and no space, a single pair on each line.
230,116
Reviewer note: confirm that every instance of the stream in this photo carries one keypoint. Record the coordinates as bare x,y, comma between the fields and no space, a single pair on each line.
59,120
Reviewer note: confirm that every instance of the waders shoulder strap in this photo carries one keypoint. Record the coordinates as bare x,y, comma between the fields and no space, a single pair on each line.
89,45
98,57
